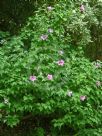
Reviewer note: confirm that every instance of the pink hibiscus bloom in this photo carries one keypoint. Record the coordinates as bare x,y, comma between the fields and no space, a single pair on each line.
60,62
83,98
44,37
97,65
50,77
82,8
32,78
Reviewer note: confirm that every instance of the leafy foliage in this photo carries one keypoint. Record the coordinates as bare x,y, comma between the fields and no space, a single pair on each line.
44,72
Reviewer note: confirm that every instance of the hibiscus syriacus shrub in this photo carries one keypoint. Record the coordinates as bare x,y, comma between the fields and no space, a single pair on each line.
44,75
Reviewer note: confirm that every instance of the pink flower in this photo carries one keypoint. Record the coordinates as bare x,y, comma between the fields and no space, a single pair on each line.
69,93
60,62
97,65
50,8
61,52
82,8
50,77
44,37
82,98
50,30
98,83
32,78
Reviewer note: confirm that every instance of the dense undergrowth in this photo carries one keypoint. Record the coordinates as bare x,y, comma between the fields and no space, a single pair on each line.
45,75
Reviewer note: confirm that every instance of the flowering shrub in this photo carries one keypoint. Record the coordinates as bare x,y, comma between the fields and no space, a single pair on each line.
44,72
